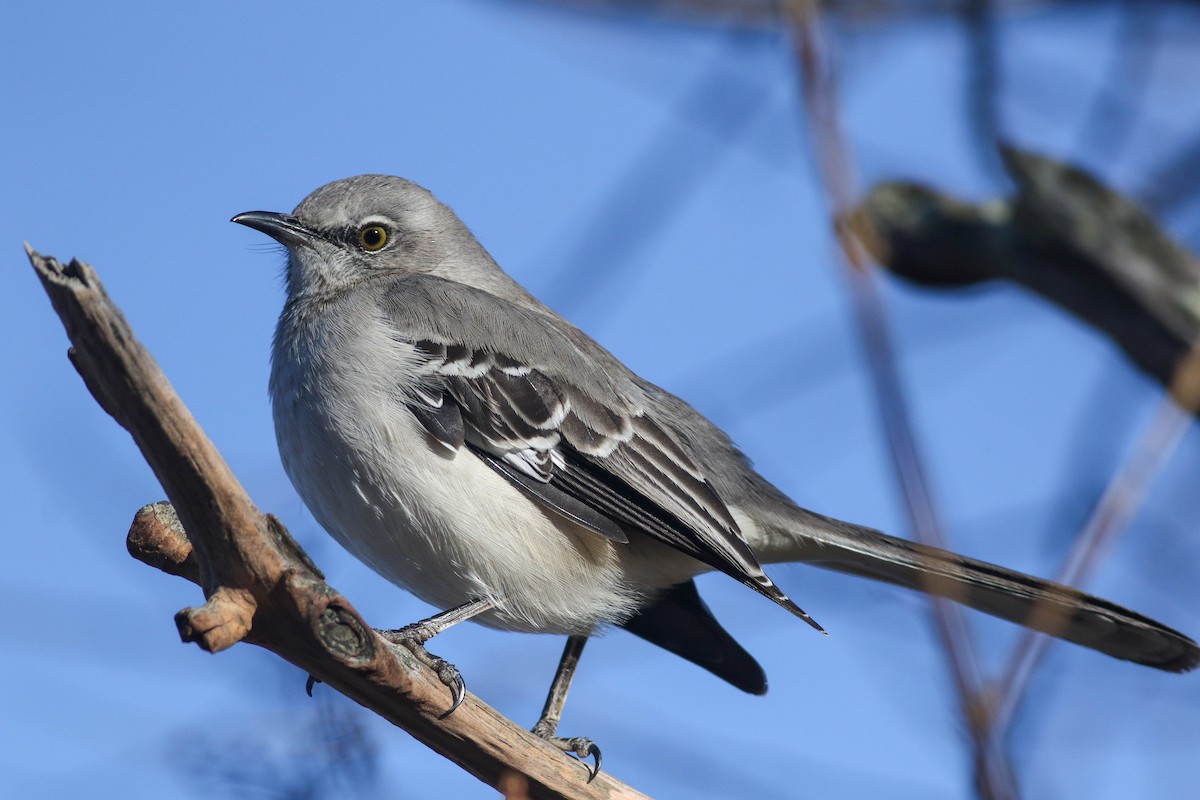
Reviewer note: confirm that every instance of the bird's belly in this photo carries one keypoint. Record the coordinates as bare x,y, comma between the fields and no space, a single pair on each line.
446,527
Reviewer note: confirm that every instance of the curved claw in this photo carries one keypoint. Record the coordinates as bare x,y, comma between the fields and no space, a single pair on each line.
411,638
457,686
312,681
581,748
594,752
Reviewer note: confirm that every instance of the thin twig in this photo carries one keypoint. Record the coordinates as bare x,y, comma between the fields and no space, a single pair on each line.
708,121
1111,517
837,173
983,84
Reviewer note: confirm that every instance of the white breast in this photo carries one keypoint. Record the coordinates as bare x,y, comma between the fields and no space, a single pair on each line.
444,526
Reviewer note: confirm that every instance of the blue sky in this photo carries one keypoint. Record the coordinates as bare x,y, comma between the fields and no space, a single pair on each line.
653,182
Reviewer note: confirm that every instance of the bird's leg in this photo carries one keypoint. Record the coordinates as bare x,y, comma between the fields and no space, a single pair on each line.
413,638
547,726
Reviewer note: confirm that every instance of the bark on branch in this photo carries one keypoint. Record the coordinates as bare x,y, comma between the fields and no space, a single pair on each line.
259,585
1064,235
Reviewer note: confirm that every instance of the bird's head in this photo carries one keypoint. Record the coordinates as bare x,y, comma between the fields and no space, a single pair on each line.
352,229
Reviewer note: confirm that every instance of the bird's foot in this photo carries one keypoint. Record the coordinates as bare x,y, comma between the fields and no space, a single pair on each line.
580,747
412,638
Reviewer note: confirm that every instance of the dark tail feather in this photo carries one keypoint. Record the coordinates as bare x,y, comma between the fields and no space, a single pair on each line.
1035,603
679,621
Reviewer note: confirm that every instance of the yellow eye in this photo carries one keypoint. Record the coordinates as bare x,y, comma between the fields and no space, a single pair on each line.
372,237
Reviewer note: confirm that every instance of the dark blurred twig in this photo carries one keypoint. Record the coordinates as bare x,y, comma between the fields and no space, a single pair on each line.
836,168
983,84
325,756
766,12
1063,235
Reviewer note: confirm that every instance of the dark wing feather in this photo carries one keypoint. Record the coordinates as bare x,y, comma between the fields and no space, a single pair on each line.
602,465
441,418
565,503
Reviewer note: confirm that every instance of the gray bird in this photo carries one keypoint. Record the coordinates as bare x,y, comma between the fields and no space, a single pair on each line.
475,448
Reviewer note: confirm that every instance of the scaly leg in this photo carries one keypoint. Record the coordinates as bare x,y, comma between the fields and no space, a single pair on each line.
547,726
413,638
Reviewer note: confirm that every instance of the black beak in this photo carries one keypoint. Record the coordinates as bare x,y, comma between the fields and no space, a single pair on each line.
283,228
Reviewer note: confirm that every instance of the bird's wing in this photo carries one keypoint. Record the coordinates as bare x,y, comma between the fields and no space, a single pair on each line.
567,426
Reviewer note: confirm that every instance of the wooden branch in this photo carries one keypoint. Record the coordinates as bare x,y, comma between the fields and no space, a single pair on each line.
260,586
1063,235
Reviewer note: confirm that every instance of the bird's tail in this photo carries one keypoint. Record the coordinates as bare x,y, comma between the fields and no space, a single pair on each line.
1039,604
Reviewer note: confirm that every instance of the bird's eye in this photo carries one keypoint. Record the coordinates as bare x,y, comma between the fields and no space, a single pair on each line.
372,237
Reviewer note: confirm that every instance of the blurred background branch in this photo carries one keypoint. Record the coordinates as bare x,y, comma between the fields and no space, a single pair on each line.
1063,235
835,162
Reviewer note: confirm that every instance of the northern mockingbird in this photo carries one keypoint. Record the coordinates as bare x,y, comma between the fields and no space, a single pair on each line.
477,449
